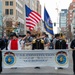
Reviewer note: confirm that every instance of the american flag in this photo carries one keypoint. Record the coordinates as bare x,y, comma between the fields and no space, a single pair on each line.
32,18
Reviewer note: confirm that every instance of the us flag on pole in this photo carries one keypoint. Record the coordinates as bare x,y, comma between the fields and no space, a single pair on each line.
32,18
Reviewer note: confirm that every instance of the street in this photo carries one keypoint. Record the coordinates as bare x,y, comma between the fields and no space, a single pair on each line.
35,74
41,71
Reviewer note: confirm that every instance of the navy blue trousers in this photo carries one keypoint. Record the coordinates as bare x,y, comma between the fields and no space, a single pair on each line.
0,61
73,55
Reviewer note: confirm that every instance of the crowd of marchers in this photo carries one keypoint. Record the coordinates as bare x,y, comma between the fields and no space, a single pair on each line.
31,42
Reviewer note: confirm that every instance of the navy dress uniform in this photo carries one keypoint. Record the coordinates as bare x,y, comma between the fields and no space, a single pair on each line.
60,44
38,44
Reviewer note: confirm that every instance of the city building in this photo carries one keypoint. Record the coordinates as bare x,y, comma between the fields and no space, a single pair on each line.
63,20
39,26
73,25
13,16
70,18
1,18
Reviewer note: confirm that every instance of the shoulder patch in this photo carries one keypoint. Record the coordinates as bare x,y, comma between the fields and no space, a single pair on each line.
34,41
42,41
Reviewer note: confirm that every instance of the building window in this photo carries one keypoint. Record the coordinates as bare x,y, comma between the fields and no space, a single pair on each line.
7,11
6,3
11,3
11,11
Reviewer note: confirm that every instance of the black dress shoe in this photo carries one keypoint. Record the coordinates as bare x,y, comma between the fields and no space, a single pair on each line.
0,72
60,68
37,67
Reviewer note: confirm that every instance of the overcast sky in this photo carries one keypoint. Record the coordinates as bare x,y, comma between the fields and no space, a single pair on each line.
51,6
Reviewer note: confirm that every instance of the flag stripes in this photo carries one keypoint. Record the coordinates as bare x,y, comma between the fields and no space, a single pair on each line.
32,18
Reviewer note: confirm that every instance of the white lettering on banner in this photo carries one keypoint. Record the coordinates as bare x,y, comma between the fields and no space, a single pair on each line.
33,58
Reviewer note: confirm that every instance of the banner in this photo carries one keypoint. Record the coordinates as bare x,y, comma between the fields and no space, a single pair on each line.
33,58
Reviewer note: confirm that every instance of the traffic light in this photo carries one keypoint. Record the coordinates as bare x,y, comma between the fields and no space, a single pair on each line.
54,23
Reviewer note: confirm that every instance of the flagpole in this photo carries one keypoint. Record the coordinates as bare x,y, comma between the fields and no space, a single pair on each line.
25,18
57,22
57,13
48,23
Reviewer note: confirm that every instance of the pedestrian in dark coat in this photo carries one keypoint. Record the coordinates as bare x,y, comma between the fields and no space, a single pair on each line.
2,46
73,54
6,40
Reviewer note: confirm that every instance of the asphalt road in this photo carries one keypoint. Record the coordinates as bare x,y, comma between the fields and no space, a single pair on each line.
35,74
